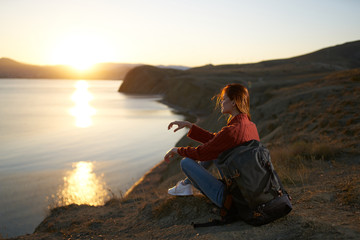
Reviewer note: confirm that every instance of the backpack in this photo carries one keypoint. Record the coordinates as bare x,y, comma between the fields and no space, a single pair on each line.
254,191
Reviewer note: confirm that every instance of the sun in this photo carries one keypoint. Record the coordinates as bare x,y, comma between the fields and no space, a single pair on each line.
81,51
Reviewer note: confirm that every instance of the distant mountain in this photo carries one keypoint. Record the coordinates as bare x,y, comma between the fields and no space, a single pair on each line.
339,57
342,56
110,70
13,69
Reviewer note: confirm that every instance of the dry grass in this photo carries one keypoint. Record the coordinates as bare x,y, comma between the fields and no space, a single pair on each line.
295,162
349,191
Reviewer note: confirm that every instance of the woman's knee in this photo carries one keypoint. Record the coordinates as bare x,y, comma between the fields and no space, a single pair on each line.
185,163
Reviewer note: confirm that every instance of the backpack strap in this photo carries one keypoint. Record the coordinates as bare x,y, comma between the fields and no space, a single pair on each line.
214,222
225,211
226,206
280,183
275,179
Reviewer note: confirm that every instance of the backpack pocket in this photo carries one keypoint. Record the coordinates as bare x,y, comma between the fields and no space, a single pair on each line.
277,208
270,211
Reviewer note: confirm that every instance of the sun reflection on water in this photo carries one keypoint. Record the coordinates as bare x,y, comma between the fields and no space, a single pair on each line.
82,110
82,186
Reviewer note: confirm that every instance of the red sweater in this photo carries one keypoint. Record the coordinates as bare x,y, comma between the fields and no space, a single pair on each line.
238,131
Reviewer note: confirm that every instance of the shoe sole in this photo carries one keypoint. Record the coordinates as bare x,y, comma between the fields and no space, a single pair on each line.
180,194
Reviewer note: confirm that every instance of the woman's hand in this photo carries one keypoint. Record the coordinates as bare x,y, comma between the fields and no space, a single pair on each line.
180,124
170,154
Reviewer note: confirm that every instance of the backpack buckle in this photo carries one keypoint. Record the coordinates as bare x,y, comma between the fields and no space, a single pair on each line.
228,181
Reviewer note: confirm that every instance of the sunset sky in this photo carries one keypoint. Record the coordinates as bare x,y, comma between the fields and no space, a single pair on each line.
172,32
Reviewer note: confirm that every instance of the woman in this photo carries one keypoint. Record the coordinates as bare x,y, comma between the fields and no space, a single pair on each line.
235,101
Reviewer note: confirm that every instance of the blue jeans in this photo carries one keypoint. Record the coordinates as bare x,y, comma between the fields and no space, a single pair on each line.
201,179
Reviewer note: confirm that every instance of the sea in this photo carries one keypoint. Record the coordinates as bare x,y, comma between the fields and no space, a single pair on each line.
73,141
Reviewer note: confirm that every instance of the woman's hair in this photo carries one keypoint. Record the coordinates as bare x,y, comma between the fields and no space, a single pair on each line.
237,93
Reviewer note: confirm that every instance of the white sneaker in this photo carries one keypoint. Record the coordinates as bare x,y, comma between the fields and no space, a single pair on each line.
181,189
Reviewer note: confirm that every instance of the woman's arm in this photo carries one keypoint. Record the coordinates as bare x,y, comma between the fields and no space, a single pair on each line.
200,135
229,136
223,140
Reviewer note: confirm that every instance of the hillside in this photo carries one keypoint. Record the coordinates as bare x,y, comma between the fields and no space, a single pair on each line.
13,69
192,89
307,115
303,95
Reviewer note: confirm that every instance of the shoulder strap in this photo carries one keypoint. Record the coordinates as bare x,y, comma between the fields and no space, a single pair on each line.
279,181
